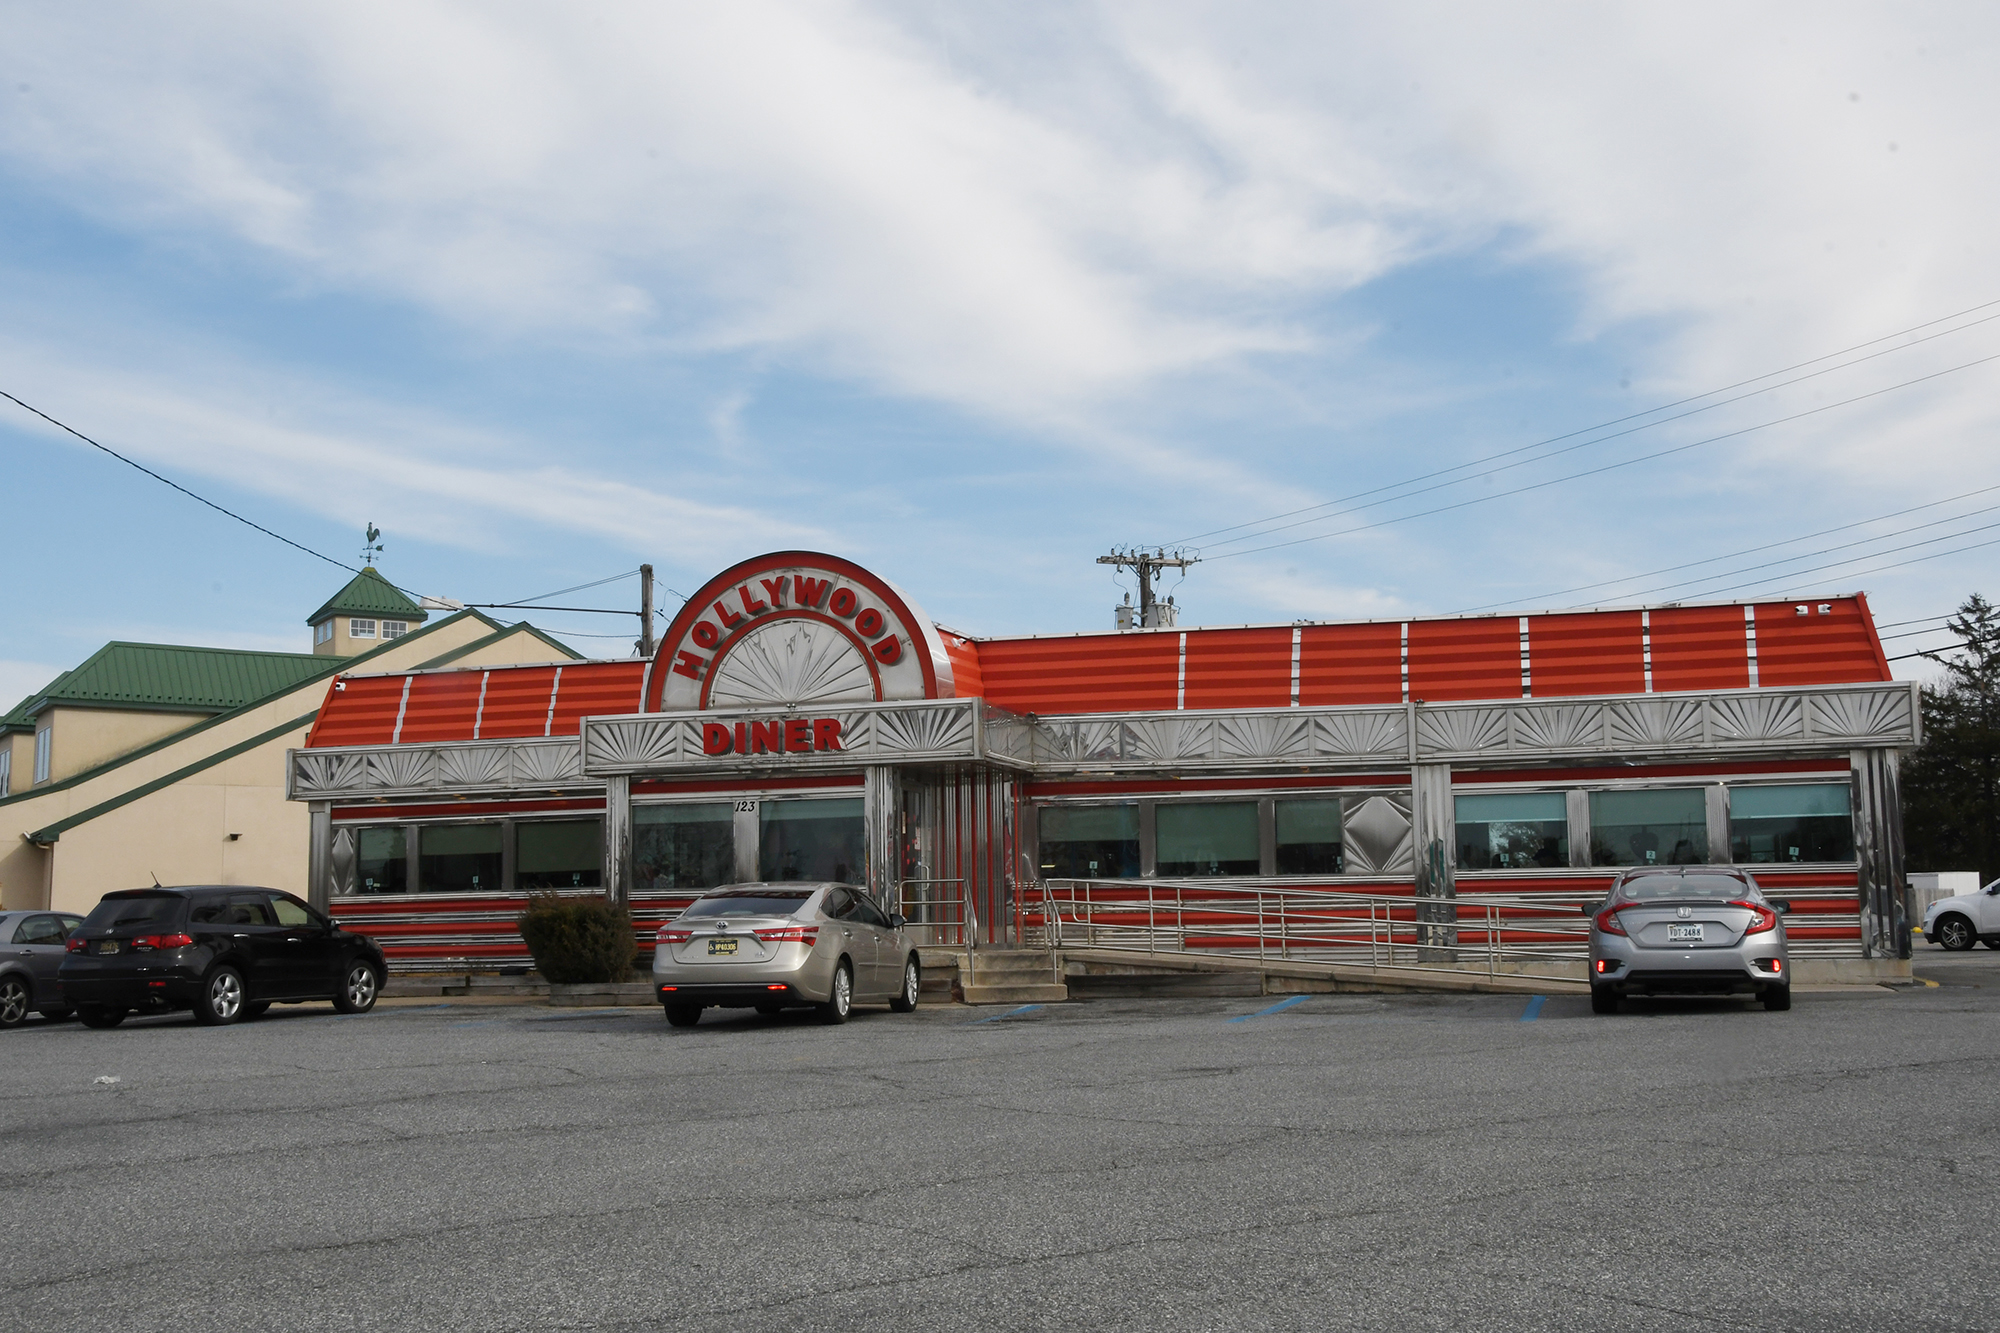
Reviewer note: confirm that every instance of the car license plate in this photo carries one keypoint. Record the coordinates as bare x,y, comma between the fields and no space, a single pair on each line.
724,945
107,946
1678,933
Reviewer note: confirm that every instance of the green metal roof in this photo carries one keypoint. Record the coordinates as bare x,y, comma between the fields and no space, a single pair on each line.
170,678
369,594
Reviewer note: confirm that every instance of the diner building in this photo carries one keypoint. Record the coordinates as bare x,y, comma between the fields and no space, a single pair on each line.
804,719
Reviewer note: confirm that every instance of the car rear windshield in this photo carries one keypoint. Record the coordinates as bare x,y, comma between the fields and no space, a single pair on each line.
776,902
1655,888
151,909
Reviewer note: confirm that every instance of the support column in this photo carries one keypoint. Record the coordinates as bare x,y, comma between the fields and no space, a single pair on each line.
1878,845
319,855
618,839
1434,828
882,808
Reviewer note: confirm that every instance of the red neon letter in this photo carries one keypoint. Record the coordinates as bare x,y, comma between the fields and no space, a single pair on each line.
869,623
843,603
751,604
705,634
826,733
714,738
687,664
798,736
767,738
889,651
742,739
811,591
729,619
775,589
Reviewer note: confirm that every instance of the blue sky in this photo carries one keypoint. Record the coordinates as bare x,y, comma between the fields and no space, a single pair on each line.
972,295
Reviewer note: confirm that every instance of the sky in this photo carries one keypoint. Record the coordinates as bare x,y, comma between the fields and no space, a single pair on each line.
1380,310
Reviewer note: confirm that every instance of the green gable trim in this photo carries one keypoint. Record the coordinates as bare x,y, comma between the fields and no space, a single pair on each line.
369,594
332,666
493,638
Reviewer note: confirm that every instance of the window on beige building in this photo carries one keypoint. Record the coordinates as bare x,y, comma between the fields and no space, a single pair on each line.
43,742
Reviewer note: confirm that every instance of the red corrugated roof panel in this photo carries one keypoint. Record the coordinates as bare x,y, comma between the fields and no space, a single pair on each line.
360,711
1351,664
1596,652
1815,649
966,678
1465,659
1239,668
590,689
441,706
1091,673
1699,648
517,702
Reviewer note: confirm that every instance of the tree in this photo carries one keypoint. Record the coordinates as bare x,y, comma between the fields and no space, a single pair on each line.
1951,784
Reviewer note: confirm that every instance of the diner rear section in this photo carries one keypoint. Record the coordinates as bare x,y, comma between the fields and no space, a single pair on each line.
1461,785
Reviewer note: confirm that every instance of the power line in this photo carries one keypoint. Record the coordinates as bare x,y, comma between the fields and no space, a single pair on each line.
597,583
1609,467
1585,430
1859,573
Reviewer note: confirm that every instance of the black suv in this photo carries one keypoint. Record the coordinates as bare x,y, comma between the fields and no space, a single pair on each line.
224,951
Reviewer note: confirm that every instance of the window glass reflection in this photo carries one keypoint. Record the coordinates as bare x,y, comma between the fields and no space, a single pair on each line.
1645,828
382,863
1791,823
683,846
1203,839
1309,837
1090,841
458,858
812,840
558,854
1511,830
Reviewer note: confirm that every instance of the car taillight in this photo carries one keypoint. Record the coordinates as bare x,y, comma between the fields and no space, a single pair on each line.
163,941
1607,919
75,945
675,935
1762,918
788,934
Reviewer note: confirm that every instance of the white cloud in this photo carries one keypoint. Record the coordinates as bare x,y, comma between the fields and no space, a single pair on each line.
20,679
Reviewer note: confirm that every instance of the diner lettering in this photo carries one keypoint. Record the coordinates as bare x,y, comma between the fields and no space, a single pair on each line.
796,735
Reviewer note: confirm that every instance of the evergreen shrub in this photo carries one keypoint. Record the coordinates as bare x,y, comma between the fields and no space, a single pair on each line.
578,940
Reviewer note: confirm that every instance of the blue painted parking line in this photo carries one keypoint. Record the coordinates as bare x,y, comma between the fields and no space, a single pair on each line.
1534,1009
1277,1008
995,1018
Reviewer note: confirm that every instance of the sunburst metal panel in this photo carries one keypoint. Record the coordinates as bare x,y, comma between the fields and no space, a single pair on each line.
1457,730
324,774
630,744
1755,717
792,662
1263,736
1376,733
474,766
1656,724
1558,726
1863,717
402,769
927,731
547,764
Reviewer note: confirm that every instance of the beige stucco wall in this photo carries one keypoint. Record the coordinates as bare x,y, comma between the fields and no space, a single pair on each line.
343,644
180,832
83,738
22,747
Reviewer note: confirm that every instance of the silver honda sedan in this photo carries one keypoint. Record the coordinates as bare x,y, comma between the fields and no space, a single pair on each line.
1688,930
784,946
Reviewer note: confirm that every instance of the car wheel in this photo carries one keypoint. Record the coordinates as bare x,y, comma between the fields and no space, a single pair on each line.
221,998
906,998
14,1001
1777,998
255,1009
841,1002
358,989
97,1016
1954,932
1603,1000
684,1015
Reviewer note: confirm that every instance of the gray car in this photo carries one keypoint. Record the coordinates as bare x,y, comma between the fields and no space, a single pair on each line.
1688,930
784,946
31,949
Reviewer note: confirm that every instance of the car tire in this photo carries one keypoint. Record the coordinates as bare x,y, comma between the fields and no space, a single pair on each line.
17,998
1778,998
1955,933
683,1015
99,1016
220,1000
913,979
1603,1000
840,1000
358,988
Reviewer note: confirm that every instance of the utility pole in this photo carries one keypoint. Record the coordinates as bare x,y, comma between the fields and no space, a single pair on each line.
646,611
1146,564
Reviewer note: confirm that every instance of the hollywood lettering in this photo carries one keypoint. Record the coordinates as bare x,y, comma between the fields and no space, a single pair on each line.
797,593
796,735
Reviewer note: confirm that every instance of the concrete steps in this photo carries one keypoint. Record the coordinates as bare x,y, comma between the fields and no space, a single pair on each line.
1009,976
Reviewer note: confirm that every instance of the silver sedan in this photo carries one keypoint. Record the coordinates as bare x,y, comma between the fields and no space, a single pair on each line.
1692,930
784,946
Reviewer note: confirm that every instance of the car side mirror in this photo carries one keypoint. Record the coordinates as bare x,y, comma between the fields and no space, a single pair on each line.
1782,904
1589,909
897,921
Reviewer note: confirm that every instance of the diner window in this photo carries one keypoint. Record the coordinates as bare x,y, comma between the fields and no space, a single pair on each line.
558,854
683,846
1512,830
1667,827
1309,837
458,858
1090,841
358,628
1206,839
395,629
812,840
382,860
1791,823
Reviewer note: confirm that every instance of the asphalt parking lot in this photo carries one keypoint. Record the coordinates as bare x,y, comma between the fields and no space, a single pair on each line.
1340,1162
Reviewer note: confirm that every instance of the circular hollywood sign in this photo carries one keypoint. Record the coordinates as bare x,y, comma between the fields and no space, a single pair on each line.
797,627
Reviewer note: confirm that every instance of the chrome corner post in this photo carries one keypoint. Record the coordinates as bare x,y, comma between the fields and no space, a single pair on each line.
1435,824
319,855
883,809
1878,846
618,839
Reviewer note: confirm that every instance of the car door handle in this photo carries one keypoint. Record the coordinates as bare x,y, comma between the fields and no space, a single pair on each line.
240,935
